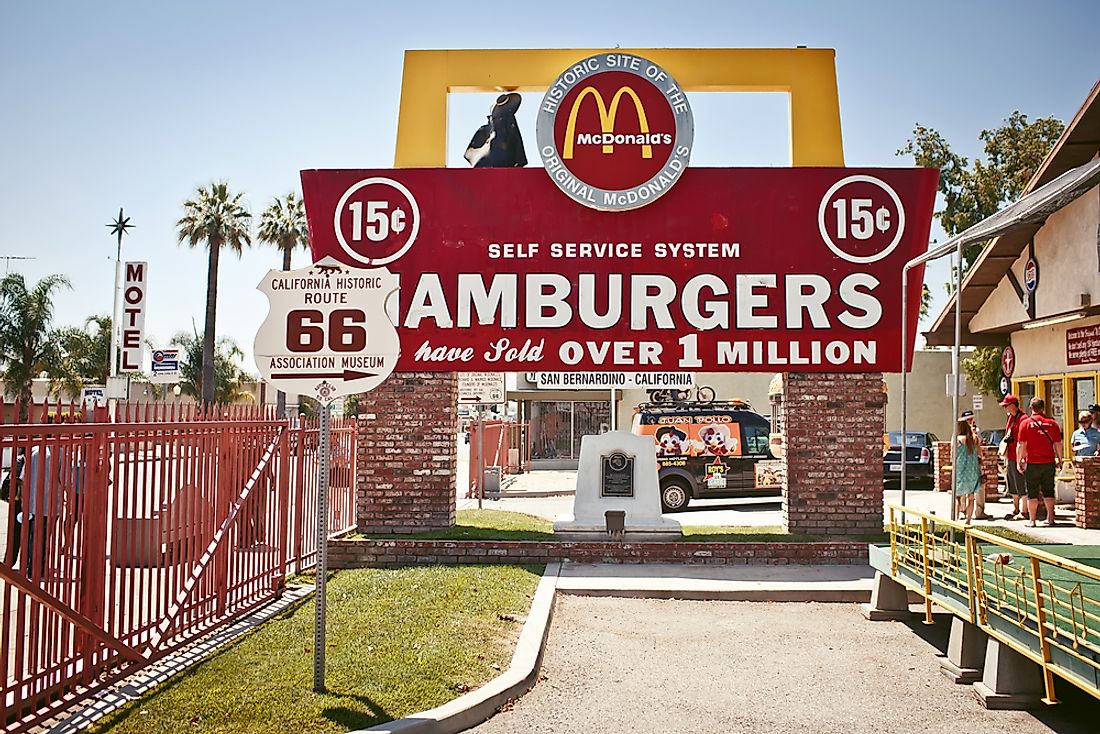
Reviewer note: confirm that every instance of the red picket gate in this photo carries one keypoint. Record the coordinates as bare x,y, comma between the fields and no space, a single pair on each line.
129,537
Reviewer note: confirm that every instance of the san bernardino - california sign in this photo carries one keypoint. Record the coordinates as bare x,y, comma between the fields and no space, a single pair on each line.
615,131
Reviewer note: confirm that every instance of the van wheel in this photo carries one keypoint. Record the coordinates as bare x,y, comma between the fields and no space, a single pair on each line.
674,496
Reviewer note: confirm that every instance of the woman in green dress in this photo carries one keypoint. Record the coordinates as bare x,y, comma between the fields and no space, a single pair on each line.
968,471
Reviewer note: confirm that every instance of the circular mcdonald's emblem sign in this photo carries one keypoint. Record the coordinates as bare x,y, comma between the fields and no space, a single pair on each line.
615,131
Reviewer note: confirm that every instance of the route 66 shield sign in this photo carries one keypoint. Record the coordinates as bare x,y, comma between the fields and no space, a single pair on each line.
327,334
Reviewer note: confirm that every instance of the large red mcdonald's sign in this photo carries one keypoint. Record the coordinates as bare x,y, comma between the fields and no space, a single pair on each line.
784,269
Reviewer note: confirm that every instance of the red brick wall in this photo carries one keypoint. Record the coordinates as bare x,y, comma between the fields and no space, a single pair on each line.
941,467
1087,500
991,476
988,457
349,553
833,427
406,463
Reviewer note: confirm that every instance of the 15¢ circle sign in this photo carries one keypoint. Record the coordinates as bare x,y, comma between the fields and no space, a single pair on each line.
614,131
376,221
861,219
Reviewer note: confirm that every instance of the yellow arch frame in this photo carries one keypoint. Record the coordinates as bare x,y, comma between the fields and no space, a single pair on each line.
808,76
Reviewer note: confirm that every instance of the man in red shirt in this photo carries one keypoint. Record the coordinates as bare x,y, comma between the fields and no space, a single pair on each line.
1014,480
1038,448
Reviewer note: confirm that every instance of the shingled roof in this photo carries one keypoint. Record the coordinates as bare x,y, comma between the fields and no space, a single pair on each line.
1078,144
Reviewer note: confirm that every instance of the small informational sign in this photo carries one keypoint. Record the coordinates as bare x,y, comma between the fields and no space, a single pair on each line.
613,380
1031,275
977,403
327,334
617,477
134,290
165,366
716,474
1083,345
480,388
93,395
1008,361
950,380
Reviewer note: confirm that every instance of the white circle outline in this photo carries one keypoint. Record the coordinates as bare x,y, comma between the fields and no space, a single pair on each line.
860,178
415,227
684,135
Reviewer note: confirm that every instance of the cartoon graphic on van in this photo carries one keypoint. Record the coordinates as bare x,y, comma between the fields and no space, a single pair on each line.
717,440
670,441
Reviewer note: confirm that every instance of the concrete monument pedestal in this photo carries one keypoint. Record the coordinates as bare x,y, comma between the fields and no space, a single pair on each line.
617,471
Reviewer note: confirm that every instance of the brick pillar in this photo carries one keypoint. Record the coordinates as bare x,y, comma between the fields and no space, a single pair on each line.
991,471
405,480
833,427
1087,499
941,466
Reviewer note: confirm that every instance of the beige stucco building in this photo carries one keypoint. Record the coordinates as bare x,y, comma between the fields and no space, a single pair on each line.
1037,290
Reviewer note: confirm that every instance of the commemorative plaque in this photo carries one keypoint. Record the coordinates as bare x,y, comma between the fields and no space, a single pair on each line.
618,475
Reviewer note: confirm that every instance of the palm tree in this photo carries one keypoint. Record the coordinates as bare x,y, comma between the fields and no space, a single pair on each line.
83,356
27,344
217,217
231,383
283,224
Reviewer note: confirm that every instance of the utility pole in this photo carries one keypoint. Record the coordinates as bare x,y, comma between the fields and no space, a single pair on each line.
118,227
8,258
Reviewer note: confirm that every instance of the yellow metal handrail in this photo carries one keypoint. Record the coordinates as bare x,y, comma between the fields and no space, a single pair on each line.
954,556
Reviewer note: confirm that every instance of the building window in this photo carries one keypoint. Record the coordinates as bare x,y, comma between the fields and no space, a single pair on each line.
558,426
1084,394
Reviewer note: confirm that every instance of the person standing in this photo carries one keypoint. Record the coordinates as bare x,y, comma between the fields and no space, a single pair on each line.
1086,439
1014,479
1039,447
979,498
968,472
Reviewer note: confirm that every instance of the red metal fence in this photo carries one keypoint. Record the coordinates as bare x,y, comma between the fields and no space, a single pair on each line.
507,446
127,537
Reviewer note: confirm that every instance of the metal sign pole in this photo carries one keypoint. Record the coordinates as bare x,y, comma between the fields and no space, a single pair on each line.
321,569
480,461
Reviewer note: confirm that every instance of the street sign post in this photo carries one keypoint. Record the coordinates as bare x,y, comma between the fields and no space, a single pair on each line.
326,335
480,388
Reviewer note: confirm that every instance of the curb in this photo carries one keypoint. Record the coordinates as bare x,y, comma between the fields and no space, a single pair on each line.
478,706
823,596
540,494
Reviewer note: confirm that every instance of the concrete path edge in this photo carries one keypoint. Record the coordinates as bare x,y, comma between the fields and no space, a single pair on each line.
478,706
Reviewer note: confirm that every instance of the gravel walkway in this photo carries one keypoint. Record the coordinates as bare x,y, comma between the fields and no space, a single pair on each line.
640,666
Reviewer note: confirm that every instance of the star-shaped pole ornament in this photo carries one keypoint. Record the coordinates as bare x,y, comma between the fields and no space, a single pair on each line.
119,227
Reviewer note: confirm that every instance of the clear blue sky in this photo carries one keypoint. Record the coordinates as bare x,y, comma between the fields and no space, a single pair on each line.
135,104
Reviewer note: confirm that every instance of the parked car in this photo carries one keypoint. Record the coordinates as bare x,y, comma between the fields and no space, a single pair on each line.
707,450
918,458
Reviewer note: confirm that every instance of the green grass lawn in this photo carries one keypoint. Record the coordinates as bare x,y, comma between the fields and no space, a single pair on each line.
504,525
398,642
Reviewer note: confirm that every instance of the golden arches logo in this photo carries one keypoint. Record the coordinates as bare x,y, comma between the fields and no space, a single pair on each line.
607,118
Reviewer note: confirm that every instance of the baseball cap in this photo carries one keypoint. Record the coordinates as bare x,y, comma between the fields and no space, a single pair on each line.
966,414
1094,408
1010,399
